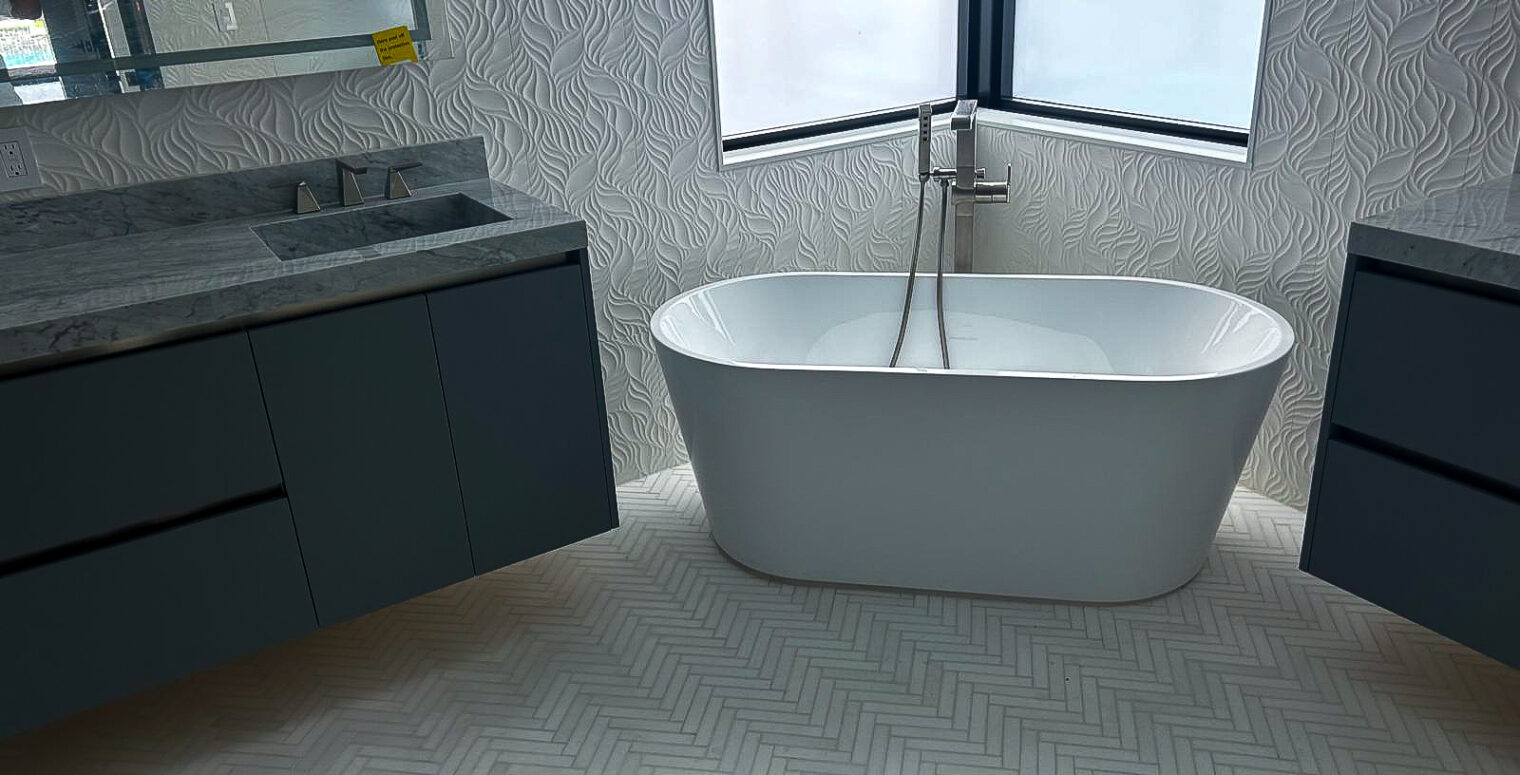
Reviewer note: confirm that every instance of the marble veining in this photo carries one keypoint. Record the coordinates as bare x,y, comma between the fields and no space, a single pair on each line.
1473,232
74,300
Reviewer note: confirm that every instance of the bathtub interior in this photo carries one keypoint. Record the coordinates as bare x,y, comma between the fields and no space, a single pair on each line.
1068,325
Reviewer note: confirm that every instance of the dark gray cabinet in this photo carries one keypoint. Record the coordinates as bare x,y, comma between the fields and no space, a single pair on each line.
91,449
109,622
359,424
1415,503
177,506
520,374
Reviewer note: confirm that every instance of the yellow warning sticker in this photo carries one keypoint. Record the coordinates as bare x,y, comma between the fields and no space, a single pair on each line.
394,45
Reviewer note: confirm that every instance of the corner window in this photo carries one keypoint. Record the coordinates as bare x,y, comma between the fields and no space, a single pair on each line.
797,68
790,69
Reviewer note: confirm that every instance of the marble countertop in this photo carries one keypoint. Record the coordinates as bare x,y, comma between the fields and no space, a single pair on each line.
1472,232
71,301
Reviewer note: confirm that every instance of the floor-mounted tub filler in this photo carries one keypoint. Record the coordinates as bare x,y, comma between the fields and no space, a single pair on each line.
1083,447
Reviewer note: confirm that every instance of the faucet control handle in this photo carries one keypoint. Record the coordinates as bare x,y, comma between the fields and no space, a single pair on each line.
395,183
994,192
305,201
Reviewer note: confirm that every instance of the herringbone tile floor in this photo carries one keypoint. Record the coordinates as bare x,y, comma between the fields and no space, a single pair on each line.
645,650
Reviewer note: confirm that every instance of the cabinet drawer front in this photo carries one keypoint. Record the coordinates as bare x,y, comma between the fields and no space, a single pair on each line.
93,448
1432,370
104,624
1425,547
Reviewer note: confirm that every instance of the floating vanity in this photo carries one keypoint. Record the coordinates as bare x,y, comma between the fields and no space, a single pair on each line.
226,425
1416,494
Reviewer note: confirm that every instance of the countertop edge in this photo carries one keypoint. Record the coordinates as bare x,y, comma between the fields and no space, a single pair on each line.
34,347
1434,254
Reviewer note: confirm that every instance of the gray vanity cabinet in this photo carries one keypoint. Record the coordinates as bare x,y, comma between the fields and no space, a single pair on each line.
520,372
357,411
108,622
184,504
1416,495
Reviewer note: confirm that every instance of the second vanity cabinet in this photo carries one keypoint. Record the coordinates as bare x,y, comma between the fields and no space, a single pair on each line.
1416,498
180,505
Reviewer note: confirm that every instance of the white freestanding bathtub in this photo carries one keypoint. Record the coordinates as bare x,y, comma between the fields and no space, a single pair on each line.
1083,445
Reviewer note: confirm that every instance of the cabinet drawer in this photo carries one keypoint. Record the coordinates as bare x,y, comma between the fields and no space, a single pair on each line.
107,623
93,448
1432,370
1425,547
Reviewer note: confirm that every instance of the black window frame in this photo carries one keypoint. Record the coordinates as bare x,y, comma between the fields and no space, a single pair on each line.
984,71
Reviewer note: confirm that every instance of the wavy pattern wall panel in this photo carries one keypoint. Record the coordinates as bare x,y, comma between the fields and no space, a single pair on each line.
1366,105
600,106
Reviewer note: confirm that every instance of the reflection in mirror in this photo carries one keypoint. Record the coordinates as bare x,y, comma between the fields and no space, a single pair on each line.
64,49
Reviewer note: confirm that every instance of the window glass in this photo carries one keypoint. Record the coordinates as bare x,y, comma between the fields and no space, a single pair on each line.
1185,60
786,62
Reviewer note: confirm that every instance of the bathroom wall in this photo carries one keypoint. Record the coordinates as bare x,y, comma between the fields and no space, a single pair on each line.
603,107
600,106
1366,105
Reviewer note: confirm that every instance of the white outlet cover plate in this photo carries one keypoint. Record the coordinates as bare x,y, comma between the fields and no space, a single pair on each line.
33,176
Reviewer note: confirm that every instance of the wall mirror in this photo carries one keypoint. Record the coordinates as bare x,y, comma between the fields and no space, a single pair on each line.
66,49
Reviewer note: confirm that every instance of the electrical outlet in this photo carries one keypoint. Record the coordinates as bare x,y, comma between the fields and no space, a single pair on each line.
226,16
18,167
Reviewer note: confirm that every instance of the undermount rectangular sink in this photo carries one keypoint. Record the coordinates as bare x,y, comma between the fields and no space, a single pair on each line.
346,230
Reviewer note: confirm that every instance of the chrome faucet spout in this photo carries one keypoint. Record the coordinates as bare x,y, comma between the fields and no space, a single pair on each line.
963,121
348,183
970,190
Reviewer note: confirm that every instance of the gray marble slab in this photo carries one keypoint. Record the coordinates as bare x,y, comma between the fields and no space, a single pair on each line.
171,204
73,301
1472,233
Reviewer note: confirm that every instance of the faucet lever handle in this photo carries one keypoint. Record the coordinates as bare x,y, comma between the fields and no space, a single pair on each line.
305,201
996,191
395,184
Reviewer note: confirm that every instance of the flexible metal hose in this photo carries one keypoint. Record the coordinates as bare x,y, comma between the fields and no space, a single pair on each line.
918,233
939,271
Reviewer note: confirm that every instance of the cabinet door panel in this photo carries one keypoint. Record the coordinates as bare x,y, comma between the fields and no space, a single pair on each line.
104,624
1425,547
517,357
1426,368
101,446
358,418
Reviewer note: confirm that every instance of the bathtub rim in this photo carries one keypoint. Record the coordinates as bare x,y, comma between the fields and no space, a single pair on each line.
1279,353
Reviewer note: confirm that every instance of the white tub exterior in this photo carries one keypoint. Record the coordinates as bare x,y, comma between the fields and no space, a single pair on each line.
1083,446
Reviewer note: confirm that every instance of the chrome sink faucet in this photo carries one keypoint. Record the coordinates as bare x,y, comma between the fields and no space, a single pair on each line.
348,183
968,189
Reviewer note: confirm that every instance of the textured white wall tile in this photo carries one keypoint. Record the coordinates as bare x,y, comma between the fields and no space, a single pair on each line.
1366,105
602,107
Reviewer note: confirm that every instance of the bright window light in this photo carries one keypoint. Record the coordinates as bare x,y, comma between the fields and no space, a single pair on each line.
787,62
